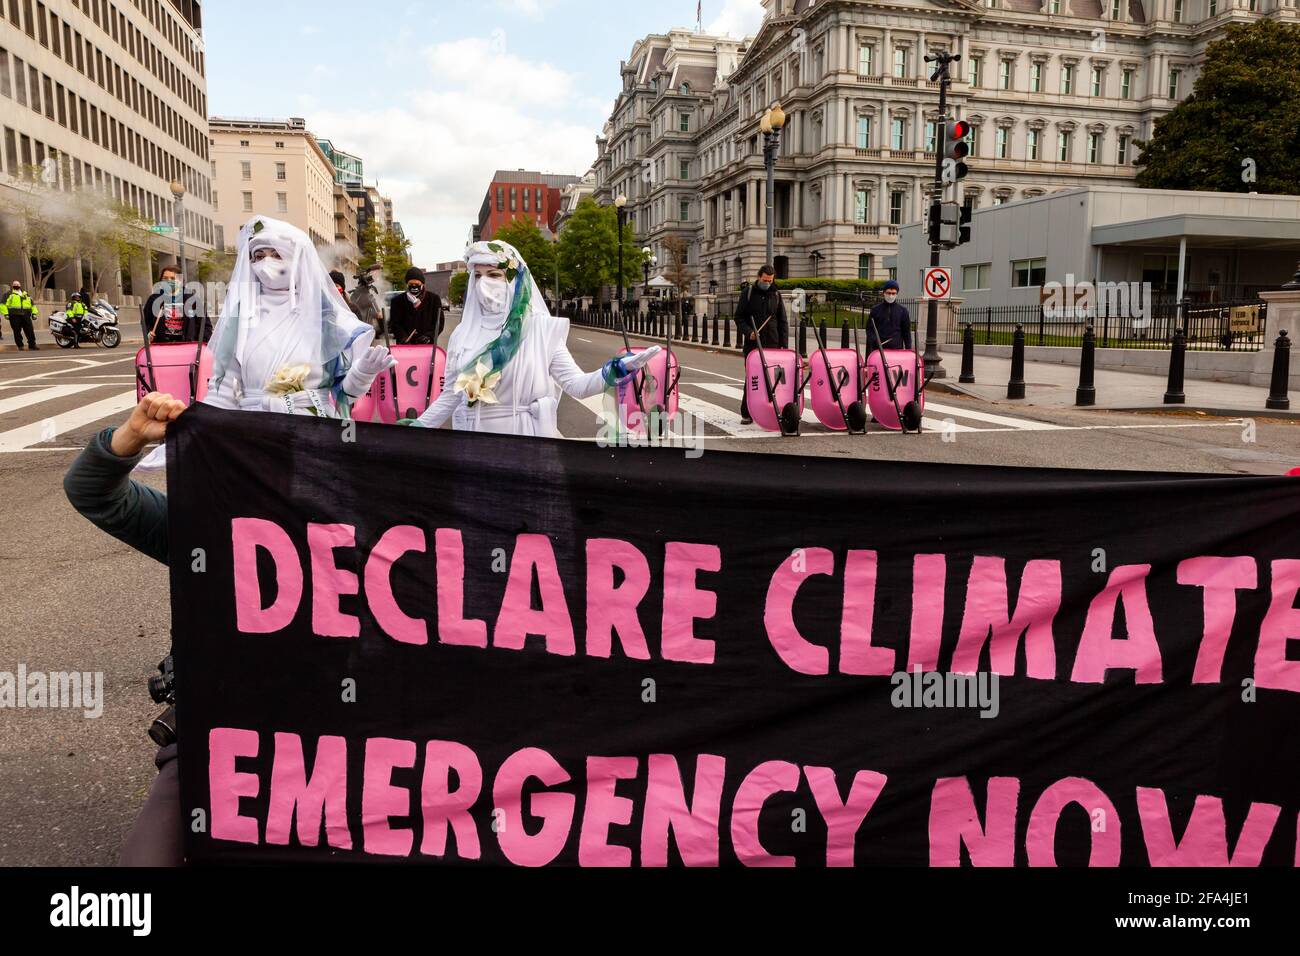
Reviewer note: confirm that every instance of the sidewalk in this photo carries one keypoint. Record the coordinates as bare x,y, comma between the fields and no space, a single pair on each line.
1050,385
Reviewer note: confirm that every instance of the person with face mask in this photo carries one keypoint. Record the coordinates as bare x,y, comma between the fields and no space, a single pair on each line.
416,317
20,310
892,320
171,315
508,359
761,312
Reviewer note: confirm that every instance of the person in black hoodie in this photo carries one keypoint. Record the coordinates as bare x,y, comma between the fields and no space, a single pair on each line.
416,317
892,320
761,312
172,316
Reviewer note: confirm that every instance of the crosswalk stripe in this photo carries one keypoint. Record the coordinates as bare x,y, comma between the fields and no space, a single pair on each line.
21,439
1019,424
18,402
733,392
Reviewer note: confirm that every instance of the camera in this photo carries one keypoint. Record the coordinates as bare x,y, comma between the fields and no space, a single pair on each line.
163,691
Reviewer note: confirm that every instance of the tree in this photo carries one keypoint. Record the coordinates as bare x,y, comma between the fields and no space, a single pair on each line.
537,250
1236,132
47,233
394,257
677,269
589,249
457,288
215,265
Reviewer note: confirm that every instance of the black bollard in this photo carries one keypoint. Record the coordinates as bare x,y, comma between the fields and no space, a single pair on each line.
713,335
844,336
1174,395
1086,395
695,328
967,356
803,339
1016,387
1278,393
822,327
726,334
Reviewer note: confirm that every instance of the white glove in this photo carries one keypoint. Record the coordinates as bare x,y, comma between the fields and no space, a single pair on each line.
295,403
634,363
367,368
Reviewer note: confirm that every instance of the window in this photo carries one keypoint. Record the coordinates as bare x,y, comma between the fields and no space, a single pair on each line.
1063,143
898,134
246,170
243,144
1178,11
1031,148
1094,147
684,210
1126,85
5,87
215,204
976,278
931,136
279,144
1028,273
896,207
1004,75
514,200
1053,6
684,124
1121,150
976,68
864,132
1173,83
528,201
865,60
1095,87
281,173
861,206
248,202
900,62
1067,79
684,169
864,266
1214,8
1036,78
282,202
685,89
1003,142
1114,9
501,200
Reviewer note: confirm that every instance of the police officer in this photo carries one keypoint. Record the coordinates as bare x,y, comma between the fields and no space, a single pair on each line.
75,313
761,312
20,309
891,320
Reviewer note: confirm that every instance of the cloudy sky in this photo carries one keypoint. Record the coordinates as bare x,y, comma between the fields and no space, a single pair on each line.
436,95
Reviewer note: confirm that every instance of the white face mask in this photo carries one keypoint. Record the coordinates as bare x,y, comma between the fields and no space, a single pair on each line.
891,296
415,299
272,273
493,294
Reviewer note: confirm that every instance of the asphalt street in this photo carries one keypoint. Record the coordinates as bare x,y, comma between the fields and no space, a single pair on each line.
77,600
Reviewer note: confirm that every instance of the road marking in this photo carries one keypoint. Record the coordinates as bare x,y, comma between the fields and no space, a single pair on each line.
1019,424
21,439
18,402
734,392
84,364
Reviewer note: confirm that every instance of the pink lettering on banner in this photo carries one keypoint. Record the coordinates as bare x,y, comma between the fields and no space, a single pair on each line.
987,613
1099,651
554,809
1221,579
694,826
447,810
518,618
1273,671
330,582
396,543
613,610
321,800
954,823
453,627
772,776
381,801
794,650
1103,820
1205,838
247,535
929,576
857,654
843,817
226,785
604,808
685,603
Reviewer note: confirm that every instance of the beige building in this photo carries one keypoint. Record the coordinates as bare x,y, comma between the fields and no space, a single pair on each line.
1059,92
273,168
105,102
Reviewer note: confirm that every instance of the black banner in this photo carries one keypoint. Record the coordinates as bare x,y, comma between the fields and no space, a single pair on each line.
397,645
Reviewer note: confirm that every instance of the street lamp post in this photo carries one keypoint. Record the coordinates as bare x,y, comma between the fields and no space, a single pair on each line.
771,124
620,204
178,190
647,255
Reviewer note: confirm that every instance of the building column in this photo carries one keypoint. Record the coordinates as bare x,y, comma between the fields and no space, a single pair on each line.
887,55
884,199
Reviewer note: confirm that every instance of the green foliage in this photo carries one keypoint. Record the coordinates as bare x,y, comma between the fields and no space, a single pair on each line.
457,288
215,266
589,250
386,249
1241,109
850,286
537,250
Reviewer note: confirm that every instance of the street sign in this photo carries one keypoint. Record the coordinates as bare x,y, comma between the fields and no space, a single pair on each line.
162,230
937,283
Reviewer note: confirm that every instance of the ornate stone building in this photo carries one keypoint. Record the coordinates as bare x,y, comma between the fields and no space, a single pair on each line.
1058,91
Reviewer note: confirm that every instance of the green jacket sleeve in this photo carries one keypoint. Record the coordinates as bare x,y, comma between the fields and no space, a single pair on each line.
99,486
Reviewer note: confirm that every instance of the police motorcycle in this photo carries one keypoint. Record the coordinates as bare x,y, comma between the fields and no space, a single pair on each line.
98,327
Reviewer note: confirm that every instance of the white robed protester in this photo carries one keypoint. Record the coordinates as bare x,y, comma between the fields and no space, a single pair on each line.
509,356
286,340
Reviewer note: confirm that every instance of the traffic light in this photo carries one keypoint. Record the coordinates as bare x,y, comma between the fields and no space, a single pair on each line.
955,150
963,232
934,223
944,225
